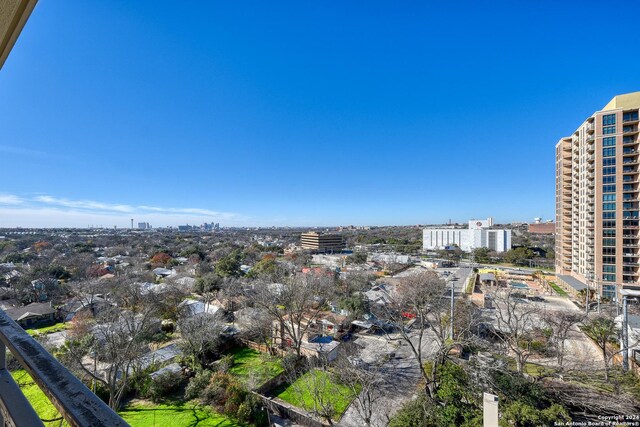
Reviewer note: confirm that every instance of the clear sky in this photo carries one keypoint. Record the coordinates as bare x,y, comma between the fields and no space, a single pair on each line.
301,113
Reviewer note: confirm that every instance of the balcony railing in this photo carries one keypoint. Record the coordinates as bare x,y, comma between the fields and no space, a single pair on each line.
75,402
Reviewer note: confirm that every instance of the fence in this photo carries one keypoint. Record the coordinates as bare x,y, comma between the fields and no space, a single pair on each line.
286,410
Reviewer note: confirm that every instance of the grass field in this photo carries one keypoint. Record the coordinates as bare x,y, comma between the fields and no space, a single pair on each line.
142,414
558,289
58,327
300,393
248,362
43,406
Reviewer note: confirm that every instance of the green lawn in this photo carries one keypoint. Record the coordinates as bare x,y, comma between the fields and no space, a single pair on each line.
43,406
558,289
138,415
58,327
174,415
248,363
300,393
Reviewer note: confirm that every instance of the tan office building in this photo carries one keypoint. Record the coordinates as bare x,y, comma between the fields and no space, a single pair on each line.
322,242
597,214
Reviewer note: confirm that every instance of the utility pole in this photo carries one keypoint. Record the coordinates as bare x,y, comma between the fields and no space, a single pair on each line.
625,326
452,306
586,301
625,335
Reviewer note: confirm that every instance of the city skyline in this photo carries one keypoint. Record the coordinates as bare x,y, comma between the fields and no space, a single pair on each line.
296,114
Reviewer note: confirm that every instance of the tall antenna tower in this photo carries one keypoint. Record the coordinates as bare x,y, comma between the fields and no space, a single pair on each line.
132,223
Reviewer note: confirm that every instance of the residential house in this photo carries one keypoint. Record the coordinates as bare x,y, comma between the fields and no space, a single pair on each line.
33,314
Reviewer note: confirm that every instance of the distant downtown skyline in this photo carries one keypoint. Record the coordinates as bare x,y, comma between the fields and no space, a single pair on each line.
53,212
264,114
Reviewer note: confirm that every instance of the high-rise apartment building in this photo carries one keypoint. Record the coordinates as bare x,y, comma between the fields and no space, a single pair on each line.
597,214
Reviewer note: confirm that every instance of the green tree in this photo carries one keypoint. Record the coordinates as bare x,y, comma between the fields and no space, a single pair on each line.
603,331
481,255
521,414
266,267
229,266
210,282
518,255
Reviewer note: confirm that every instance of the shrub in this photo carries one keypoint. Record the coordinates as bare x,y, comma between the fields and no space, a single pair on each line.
197,384
225,363
252,411
225,393
163,384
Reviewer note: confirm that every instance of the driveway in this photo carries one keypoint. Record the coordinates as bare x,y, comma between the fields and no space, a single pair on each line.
400,376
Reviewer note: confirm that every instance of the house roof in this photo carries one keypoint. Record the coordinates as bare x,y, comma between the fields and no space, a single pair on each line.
484,277
193,307
35,309
573,282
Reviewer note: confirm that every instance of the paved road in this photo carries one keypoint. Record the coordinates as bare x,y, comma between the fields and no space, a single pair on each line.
400,377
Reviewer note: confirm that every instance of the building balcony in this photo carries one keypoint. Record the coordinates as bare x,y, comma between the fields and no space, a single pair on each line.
589,138
630,117
75,402
629,129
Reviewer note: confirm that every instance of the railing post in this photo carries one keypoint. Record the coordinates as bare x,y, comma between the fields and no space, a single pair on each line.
3,365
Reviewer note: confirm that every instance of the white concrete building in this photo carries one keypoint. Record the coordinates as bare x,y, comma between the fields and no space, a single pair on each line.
478,235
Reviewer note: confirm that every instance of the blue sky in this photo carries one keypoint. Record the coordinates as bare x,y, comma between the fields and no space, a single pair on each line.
300,113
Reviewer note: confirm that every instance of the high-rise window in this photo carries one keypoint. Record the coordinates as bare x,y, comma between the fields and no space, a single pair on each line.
608,152
608,119
609,141
630,116
608,197
607,130
609,277
608,206
609,268
609,171
609,179
608,215
608,161
609,188
609,291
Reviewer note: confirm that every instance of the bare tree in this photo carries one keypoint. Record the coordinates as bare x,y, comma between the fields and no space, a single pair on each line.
87,291
561,324
515,320
294,304
366,383
317,389
116,339
255,324
200,335
420,303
